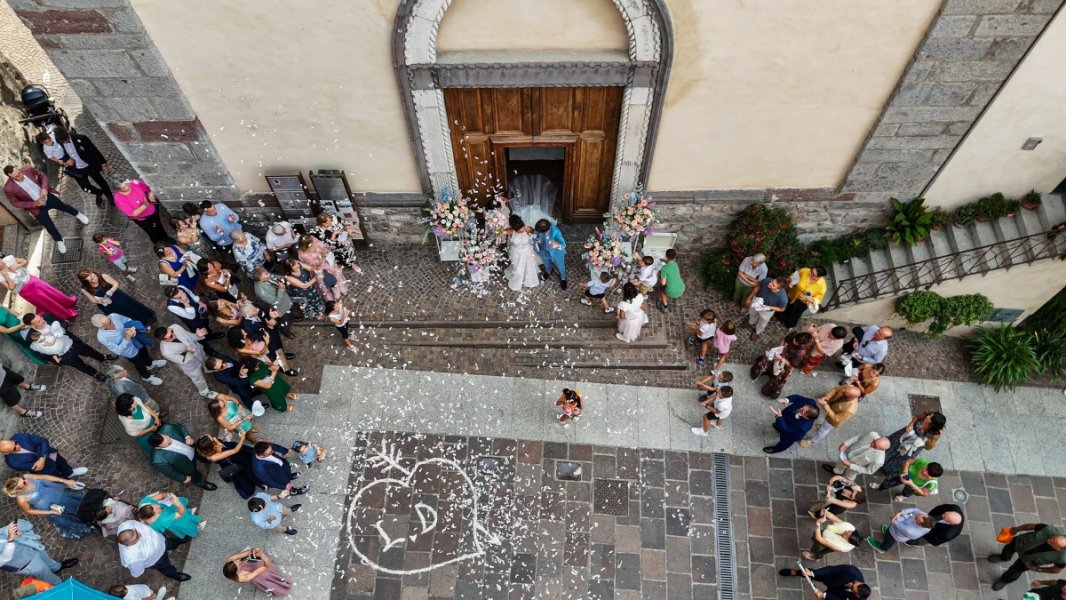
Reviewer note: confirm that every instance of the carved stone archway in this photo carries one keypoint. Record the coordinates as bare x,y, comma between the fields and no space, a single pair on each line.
422,77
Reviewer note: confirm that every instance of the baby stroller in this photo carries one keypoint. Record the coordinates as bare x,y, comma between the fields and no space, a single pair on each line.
41,111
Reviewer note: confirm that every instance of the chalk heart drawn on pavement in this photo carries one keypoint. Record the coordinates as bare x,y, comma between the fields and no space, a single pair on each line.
388,459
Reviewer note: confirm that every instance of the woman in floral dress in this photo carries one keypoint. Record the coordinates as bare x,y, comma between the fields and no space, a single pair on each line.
315,257
338,237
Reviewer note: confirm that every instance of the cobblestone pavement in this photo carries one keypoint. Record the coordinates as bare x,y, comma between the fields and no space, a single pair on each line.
770,498
637,524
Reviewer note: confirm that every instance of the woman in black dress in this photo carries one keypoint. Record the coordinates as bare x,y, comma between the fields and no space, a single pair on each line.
104,291
234,461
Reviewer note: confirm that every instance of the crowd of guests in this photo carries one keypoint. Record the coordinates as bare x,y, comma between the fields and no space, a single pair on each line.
231,298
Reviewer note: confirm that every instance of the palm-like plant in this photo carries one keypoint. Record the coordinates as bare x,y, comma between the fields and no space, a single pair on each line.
911,222
1003,356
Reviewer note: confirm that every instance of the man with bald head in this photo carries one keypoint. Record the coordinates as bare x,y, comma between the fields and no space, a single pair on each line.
949,522
1040,547
140,548
860,455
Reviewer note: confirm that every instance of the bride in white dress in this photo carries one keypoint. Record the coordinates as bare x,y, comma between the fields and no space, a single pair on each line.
524,271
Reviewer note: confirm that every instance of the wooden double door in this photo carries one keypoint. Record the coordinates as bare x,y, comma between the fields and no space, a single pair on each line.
488,124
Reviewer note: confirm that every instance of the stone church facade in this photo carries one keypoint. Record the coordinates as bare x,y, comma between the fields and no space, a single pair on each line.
827,109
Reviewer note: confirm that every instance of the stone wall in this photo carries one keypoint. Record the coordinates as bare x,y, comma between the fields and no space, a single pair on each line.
970,50
100,46
701,218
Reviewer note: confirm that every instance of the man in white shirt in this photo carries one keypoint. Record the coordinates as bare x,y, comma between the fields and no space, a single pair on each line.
49,339
183,348
80,158
138,591
140,548
280,239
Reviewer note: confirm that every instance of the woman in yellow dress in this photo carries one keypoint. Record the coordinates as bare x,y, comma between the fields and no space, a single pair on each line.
807,287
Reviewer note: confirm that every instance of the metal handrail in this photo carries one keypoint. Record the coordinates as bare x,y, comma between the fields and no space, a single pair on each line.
948,267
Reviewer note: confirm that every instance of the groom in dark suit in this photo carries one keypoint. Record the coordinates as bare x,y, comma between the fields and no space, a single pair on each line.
173,455
274,471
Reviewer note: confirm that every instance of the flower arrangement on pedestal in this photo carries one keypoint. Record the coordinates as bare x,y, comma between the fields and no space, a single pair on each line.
607,252
448,217
633,215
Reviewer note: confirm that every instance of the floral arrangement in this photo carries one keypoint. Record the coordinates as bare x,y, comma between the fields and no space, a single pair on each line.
497,220
605,251
633,215
448,217
478,254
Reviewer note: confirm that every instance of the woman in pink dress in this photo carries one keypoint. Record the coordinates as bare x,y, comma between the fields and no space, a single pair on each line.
253,564
136,200
314,256
42,296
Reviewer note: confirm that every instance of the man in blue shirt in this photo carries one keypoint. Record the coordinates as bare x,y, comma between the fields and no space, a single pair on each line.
217,222
908,524
772,299
127,338
267,512
793,422
842,582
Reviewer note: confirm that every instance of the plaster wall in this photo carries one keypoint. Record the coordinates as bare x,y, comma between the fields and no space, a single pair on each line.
762,94
778,93
477,25
990,159
281,87
1018,287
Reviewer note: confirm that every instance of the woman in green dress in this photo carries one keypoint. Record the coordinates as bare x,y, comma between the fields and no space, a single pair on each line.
166,512
266,378
9,326
232,416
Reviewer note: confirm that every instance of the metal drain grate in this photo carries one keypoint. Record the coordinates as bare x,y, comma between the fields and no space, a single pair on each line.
611,497
723,530
920,403
72,255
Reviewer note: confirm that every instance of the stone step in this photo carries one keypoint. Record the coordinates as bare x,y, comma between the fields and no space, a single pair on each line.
1017,250
942,248
904,275
1029,222
1052,212
927,273
984,234
866,287
842,285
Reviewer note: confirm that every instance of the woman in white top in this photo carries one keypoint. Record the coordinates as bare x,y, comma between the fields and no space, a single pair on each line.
631,315
523,272
339,316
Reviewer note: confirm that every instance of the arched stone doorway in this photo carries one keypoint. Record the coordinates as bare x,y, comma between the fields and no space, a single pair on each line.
640,76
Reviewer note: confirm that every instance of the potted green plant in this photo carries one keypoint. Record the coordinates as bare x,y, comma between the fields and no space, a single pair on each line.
910,222
940,219
1012,206
991,207
876,240
964,215
1031,200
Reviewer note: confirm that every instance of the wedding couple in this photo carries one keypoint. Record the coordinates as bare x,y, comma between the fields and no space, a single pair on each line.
535,252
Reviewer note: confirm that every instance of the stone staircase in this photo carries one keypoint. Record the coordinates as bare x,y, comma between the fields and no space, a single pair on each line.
587,343
951,254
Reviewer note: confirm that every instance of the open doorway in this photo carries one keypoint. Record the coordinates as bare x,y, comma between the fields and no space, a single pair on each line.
537,175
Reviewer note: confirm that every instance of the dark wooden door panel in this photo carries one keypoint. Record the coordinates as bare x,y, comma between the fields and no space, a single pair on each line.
484,122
